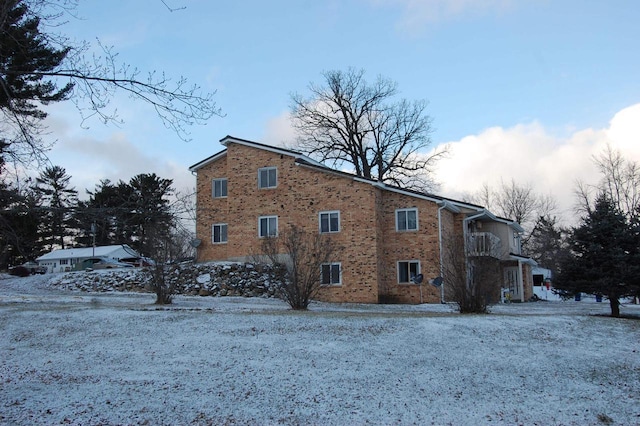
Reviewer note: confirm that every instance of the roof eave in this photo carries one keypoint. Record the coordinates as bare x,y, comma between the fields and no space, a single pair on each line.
208,160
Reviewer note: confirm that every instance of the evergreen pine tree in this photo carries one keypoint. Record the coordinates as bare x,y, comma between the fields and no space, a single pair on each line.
604,256
59,200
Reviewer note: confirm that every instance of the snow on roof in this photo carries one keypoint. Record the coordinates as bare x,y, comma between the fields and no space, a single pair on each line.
84,252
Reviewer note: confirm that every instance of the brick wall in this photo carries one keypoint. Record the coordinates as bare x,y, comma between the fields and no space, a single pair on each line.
301,194
421,245
210,211
371,245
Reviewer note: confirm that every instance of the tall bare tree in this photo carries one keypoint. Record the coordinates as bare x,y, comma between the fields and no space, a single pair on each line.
619,181
348,120
515,201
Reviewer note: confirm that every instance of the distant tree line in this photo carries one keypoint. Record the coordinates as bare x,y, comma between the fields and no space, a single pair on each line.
45,214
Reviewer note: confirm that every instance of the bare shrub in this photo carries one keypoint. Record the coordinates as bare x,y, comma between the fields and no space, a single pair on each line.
297,257
160,284
471,282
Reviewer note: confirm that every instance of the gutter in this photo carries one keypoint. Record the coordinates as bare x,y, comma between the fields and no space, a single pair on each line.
444,205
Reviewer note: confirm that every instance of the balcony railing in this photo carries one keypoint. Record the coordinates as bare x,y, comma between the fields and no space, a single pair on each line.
484,244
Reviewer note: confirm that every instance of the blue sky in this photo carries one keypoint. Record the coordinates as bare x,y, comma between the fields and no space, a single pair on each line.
526,89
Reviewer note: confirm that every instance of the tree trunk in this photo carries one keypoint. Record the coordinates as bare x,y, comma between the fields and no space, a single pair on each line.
615,306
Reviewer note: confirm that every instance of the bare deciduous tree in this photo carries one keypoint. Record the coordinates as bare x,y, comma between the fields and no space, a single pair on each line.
160,282
518,202
620,182
348,120
297,257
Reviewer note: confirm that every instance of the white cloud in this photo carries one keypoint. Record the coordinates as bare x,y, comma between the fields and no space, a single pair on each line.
624,129
416,14
279,131
531,154
526,153
89,160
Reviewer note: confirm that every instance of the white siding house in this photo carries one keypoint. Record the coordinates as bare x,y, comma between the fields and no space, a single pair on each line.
66,259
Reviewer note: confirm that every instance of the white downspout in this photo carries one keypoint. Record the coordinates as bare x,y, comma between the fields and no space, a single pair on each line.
440,243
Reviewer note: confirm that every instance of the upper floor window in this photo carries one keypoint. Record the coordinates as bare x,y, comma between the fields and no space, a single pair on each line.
408,269
219,187
219,233
407,220
268,226
267,177
330,274
329,222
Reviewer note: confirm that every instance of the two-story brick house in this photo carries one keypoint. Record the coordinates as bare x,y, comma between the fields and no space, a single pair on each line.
250,191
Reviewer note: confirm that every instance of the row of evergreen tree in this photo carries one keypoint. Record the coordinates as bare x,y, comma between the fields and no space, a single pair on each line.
46,214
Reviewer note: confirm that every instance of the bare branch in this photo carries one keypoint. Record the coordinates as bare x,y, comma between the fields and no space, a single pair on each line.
39,66
348,120
172,9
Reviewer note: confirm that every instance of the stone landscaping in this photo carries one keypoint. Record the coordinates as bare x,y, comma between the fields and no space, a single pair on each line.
204,279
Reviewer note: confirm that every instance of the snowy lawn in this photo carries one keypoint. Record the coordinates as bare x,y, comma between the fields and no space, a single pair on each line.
115,358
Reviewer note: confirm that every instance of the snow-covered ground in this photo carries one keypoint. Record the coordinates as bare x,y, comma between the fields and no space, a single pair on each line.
115,358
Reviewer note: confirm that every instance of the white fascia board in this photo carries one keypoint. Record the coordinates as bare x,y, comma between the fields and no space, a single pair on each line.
481,214
486,213
523,259
448,205
207,160
385,187
276,150
517,227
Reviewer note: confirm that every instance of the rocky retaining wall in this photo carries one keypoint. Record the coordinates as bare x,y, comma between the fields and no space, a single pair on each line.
204,279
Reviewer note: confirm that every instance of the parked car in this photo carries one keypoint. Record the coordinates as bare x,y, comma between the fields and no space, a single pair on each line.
138,261
103,263
32,268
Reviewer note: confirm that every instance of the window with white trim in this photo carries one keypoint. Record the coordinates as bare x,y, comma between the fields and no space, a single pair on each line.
407,269
329,222
268,226
267,177
219,233
219,188
330,274
407,219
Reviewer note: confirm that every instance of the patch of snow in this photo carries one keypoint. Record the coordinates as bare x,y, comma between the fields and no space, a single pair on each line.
115,358
203,279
